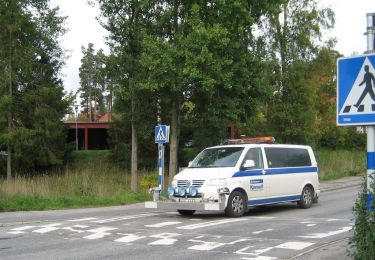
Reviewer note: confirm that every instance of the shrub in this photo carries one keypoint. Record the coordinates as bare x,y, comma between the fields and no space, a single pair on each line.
362,242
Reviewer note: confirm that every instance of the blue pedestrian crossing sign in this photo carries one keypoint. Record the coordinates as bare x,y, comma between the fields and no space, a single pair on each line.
356,90
161,134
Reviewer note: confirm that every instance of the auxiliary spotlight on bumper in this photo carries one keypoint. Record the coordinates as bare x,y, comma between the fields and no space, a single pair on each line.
181,191
193,191
170,191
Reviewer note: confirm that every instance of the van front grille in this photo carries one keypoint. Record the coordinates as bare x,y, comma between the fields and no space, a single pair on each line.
195,183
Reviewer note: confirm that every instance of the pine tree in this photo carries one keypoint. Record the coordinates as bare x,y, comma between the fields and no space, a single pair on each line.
33,102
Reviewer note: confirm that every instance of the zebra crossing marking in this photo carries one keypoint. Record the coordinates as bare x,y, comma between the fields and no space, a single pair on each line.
164,224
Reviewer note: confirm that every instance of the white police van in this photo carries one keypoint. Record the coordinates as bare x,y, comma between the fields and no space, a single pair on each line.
234,177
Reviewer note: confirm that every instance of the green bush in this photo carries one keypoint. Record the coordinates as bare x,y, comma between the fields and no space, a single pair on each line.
362,242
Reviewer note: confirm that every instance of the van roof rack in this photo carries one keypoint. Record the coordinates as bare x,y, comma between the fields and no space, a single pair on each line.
251,140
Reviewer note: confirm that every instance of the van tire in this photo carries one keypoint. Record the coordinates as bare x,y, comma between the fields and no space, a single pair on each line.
237,204
184,212
307,198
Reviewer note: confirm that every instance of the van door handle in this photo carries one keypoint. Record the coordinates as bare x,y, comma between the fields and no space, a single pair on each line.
263,172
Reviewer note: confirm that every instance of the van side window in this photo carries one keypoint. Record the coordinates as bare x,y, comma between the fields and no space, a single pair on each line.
254,154
287,157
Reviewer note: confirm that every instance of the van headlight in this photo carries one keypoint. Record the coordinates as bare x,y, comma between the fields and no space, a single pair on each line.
174,183
216,182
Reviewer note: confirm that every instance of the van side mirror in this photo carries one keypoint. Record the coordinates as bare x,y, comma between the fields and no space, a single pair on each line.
190,163
248,164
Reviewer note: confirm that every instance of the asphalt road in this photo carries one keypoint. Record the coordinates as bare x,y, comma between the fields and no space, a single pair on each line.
131,232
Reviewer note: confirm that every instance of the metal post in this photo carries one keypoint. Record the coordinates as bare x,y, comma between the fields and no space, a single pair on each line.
370,129
370,163
161,164
76,115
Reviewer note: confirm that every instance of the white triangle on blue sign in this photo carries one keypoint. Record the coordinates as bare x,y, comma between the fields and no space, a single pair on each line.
355,93
160,136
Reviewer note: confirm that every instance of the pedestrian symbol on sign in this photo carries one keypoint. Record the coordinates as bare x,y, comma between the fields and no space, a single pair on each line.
361,98
368,78
161,134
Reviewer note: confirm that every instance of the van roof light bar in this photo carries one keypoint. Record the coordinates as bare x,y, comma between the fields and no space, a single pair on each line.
251,140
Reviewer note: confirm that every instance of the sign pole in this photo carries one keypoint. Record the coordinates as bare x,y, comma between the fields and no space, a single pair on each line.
370,129
160,164
370,164
161,137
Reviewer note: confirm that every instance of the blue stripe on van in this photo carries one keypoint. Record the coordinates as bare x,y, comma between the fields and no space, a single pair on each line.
276,171
273,200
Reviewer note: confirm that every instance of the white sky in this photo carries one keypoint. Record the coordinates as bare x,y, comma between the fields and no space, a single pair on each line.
84,28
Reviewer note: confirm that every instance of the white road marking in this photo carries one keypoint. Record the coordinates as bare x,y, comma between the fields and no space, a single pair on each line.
20,230
205,246
81,219
210,223
99,232
310,225
261,251
124,218
163,242
257,252
239,241
294,245
129,238
166,235
73,228
261,231
164,224
332,233
166,239
48,228
262,217
260,258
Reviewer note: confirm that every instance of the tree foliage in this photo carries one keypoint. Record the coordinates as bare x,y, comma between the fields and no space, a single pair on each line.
202,65
92,73
126,21
292,35
32,97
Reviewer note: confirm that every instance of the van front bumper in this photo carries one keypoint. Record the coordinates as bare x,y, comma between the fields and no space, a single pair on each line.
173,205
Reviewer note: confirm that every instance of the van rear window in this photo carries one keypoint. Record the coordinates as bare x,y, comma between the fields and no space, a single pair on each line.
287,157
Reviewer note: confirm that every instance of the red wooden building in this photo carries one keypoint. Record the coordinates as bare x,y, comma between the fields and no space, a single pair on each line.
90,135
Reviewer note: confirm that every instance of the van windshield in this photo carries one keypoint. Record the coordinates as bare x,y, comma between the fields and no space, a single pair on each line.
217,157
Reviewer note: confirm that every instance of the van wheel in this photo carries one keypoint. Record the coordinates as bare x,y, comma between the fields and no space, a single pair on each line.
184,212
306,198
237,204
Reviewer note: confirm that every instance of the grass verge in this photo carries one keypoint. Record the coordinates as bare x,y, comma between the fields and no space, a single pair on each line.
335,164
90,180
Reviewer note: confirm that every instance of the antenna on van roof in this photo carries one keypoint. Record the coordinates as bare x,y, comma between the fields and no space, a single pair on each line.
251,140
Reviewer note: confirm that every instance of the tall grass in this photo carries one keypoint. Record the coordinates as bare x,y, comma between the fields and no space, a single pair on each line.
334,164
89,180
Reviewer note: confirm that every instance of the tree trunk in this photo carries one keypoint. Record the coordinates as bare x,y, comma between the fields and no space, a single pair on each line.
94,105
174,128
173,148
134,153
9,148
10,93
